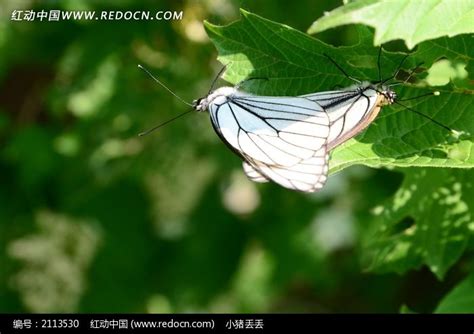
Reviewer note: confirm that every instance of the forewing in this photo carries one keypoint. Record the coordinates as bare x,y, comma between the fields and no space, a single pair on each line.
277,131
349,112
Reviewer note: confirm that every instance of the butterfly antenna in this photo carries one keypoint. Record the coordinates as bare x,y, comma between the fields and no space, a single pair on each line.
420,96
397,71
163,124
164,86
428,117
341,69
216,78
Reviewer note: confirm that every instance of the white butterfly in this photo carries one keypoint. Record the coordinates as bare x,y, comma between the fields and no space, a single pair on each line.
351,110
282,139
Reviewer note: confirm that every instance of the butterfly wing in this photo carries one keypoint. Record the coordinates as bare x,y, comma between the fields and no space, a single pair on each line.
349,111
253,174
273,130
308,175
281,138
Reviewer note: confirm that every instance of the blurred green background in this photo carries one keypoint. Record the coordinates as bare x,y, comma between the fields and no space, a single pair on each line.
96,219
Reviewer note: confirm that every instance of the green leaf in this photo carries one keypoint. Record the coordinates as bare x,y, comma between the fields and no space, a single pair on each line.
457,49
460,299
294,64
412,21
428,221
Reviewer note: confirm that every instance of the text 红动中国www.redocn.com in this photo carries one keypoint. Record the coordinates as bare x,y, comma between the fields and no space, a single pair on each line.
89,15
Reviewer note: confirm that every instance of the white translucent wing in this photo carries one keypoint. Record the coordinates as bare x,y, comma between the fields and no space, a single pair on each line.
279,131
349,112
282,139
307,176
253,174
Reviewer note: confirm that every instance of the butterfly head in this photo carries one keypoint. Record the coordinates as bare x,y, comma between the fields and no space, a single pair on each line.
200,104
218,96
390,96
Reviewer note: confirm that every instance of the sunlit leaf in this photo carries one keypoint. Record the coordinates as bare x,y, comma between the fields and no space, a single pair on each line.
460,299
412,21
428,221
